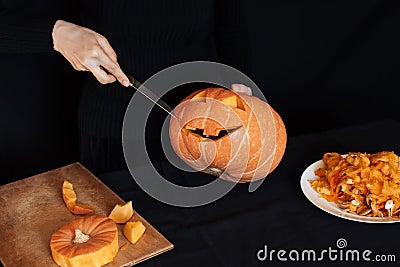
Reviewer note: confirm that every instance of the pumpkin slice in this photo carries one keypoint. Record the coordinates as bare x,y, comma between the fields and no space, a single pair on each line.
133,231
121,213
69,197
86,241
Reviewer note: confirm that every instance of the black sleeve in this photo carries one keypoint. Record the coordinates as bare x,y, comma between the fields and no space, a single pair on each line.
33,37
231,34
26,26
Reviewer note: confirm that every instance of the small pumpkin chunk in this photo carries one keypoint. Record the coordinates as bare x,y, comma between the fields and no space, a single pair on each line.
121,213
133,231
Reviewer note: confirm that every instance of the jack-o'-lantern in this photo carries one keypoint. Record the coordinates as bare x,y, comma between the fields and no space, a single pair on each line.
228,134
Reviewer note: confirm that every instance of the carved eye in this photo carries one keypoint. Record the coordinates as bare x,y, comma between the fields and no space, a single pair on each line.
232,101
200,97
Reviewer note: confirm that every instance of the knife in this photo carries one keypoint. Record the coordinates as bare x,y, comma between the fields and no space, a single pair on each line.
150,95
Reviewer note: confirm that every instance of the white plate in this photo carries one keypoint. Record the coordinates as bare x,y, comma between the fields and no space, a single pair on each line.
332,207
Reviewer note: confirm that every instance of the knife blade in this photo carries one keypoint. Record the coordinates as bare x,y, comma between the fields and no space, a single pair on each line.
150,95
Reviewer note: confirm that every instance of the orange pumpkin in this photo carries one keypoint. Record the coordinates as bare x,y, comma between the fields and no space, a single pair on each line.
85,241
221,131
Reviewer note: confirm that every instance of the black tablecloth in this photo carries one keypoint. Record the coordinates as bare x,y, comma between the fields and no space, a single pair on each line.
230,231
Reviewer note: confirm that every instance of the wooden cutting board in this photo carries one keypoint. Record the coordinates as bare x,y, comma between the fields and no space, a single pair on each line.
33,208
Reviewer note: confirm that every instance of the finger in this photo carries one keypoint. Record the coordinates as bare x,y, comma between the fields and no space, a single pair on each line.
72,62
94,65
105,45
102,76
77,65
240,88
113,68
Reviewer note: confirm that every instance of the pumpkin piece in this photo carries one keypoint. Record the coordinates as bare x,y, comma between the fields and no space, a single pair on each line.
80,208
133,231
86,241
121,213
68,194
231,135
69,197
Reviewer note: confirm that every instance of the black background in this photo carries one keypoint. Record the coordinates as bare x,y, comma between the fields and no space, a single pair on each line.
320,64
326,64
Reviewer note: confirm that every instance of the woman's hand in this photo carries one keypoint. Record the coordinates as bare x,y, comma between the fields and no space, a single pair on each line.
87,50
240,88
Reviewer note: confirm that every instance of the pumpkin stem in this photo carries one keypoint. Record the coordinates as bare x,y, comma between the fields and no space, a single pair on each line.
80,237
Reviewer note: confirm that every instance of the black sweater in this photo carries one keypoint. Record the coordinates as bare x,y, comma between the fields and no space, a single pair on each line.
148,35
26,26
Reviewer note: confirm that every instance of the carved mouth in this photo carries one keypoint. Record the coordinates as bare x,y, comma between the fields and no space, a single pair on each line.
218,134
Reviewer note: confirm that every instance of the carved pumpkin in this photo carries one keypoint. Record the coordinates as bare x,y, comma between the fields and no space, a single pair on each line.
220,131
85,241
